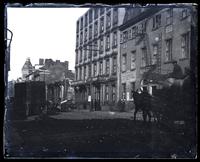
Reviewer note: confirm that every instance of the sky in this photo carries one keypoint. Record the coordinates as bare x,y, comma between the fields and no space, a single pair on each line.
42,33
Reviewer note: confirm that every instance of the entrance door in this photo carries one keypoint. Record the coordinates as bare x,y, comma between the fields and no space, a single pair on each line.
97,96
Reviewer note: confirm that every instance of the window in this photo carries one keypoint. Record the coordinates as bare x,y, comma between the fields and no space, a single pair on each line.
114,65
134,31
133,58
113,92
132,86
89,70
130,34
106,93
107,42
86,20
156,21
84,76
81,38
80,56
144,57
108,8
90,32
85,54
76,74
124,62
80,77
169,16
168,51
101,11
96,13
108,20
141,28
95,28
121,38
184,13
101,46
90,16
100,68
76,57
125,36
115,39
90,52
81,23
77,27
185,45
132,89
77,39
155,55
102,24
86,34
124,90
107,66
95,69
115,16
95,48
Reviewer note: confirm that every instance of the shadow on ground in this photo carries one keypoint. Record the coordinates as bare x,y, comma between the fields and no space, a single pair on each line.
106,138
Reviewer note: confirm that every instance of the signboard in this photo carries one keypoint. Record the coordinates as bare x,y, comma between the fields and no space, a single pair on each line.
89,98
168,29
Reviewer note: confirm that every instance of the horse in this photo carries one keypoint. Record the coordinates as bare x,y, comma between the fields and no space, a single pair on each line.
142,102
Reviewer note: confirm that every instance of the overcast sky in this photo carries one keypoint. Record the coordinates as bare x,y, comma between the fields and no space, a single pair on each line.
42,33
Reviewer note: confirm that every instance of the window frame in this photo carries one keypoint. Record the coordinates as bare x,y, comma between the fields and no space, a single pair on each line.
124,62
168,50
169,16
154,56
144,57
186,45
107,71
133,60
114,68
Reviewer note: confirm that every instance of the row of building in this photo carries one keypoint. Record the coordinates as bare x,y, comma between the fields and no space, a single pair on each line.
55,74
116,46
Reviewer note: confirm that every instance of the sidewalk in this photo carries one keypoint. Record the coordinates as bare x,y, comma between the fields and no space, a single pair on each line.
86,114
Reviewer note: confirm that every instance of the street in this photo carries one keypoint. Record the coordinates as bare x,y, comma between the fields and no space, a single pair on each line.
95,135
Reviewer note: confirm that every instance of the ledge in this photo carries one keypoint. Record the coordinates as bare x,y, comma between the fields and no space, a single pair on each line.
183,59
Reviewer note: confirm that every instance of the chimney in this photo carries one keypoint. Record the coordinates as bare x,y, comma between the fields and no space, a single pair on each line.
41,61
66,64
57,61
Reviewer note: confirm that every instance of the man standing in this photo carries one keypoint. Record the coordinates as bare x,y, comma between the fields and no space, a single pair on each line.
177,71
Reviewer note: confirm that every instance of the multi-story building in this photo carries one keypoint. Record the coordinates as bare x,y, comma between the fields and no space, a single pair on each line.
156,36
27,68
97,52
56,75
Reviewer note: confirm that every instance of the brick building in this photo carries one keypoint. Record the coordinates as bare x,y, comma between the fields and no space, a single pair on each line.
56,75
157,36
97,52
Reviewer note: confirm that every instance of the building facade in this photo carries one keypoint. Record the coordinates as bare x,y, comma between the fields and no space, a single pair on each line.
157,36
56,75
97,56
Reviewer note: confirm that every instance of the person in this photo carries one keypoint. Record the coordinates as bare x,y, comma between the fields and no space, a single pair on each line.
146,104
177,71
91,107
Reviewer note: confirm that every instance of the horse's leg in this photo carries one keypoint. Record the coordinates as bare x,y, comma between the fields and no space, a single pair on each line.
144,115
135,112
149,115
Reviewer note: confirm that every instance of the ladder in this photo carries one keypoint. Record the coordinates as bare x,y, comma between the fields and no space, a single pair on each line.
159,55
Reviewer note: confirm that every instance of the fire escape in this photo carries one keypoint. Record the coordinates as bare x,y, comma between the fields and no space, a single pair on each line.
143,36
